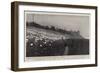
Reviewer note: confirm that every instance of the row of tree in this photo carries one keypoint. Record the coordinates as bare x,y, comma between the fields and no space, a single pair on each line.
34,24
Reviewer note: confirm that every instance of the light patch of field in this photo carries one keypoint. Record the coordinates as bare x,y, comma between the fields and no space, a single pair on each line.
43,33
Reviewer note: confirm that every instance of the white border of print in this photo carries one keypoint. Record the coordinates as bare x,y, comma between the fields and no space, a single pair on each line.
47,63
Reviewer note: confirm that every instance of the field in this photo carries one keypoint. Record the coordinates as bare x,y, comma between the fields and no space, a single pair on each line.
51,42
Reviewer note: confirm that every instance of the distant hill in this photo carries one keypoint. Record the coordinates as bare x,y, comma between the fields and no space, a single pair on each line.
73,34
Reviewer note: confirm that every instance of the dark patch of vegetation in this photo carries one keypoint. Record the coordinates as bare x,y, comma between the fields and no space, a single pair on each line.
45,47
78,46
48,47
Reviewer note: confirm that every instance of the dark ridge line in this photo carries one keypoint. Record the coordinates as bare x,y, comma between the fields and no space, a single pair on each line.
72,33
